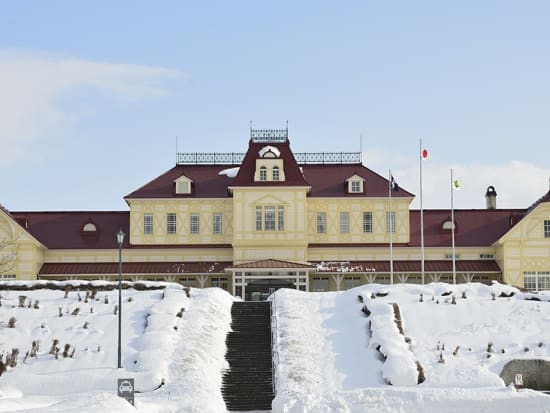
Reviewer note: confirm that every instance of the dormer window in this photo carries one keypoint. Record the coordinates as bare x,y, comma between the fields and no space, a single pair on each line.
269,170
183,185
448,225
355,184
89,228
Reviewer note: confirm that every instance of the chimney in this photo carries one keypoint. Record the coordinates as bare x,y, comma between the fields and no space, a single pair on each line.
491,197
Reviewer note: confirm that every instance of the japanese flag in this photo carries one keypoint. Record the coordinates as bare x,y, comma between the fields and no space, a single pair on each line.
424,154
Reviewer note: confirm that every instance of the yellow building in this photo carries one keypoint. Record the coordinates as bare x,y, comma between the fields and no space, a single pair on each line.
270,218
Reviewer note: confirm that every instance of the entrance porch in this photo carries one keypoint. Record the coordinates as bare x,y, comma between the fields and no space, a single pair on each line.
255,281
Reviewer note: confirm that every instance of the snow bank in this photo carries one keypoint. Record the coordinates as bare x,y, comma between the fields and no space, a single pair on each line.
184,355
399,368
319,332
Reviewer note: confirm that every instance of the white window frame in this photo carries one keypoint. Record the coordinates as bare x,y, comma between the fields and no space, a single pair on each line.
219,282
275,173
390,222
194,223
269,218
367,221
263,173
344,222
547,228
217,221
320,283
355,186
352,281
182,187
258,218
171,223
147,223
281,218
536,280
321,222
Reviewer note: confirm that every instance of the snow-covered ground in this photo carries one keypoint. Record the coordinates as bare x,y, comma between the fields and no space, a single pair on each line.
329,361
332,357
185,353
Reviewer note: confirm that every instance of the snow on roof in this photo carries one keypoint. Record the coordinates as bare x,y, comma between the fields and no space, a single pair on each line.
267,149
230,172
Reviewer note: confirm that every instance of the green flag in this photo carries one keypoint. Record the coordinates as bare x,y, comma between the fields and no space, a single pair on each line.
456,184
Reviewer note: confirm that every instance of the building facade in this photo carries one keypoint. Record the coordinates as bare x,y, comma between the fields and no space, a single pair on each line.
270,218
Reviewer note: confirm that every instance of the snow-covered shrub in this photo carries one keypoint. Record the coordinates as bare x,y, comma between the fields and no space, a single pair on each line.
34,348
66,350
55,342
11,360
22,299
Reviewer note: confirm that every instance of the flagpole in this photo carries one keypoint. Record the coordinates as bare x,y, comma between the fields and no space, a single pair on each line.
453,227
421,218
390,227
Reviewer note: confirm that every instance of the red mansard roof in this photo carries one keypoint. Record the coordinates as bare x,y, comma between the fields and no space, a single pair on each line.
293,175
474,227
207,183
63,230
330,180
325,180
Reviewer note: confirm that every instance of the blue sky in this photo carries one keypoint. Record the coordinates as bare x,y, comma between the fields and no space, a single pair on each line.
94,94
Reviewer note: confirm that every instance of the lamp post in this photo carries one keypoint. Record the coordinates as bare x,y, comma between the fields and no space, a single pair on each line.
120,239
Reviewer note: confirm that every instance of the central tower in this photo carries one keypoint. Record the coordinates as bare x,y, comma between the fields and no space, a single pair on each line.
269,201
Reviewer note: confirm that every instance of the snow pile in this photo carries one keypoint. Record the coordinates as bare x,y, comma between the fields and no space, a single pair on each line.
175,361
399,368
230,172
329,363
267,149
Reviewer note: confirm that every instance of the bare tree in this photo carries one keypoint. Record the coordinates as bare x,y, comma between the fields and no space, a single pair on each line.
8,255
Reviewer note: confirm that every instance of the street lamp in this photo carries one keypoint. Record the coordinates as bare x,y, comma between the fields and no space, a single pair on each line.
120,239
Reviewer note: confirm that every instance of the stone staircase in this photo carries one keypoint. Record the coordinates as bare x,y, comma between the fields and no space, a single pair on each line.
248,385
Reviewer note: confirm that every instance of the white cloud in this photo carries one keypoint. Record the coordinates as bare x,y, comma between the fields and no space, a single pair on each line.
518,183
32,83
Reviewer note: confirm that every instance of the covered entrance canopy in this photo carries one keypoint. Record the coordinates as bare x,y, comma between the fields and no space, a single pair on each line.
256,280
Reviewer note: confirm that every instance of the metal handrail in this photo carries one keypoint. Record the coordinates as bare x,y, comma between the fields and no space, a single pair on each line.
274,341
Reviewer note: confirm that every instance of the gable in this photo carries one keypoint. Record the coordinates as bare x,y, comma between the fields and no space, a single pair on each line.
182,185
531,227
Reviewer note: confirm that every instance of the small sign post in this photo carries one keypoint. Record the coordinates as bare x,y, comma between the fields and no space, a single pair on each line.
126,389
518,379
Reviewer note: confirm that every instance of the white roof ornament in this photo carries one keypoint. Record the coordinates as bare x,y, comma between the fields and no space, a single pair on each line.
269,148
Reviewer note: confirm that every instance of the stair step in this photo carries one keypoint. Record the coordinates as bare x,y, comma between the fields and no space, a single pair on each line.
247,384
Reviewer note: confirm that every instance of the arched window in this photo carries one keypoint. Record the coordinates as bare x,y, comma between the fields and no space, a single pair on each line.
89,227
447,225
275,173
263,173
